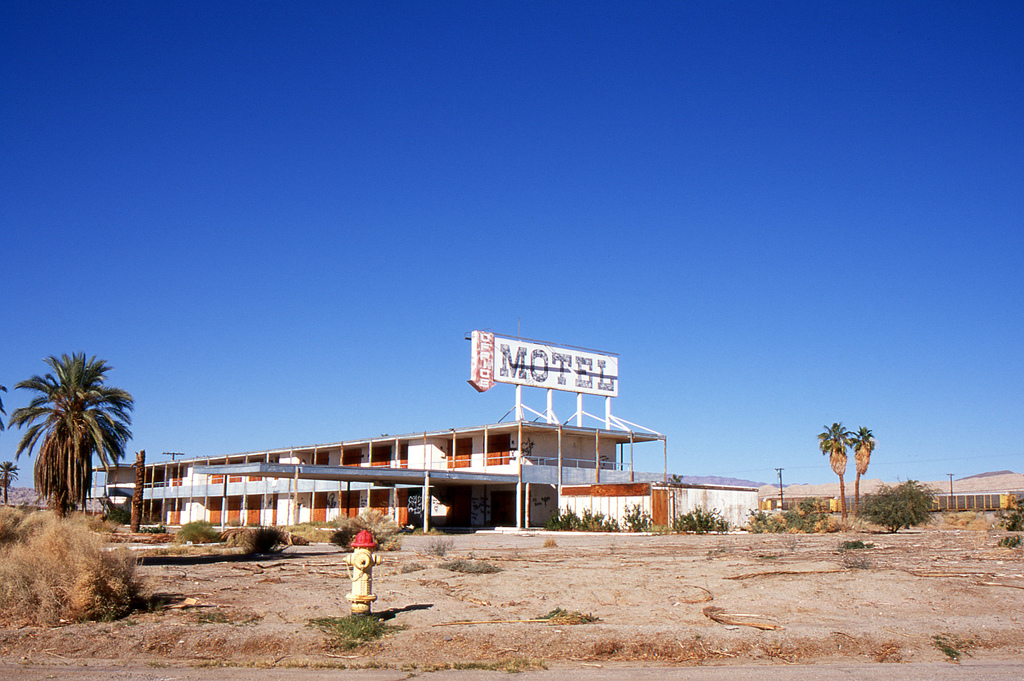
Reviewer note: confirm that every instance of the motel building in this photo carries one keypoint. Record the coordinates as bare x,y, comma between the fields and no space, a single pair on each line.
511,474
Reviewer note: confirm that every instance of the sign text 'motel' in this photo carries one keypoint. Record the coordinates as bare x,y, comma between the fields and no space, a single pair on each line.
509,360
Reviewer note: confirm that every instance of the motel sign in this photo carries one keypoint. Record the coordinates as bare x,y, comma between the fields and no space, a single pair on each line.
496,359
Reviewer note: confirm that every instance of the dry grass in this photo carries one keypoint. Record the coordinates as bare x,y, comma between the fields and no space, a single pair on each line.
57,570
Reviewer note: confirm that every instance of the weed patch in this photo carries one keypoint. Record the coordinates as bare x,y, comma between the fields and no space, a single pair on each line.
346,633
472,567
953,647
439,548
559,616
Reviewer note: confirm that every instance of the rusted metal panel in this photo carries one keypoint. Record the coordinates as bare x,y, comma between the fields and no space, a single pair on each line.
659,506
635,489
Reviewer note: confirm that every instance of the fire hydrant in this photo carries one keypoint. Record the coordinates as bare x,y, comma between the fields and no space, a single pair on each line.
361,562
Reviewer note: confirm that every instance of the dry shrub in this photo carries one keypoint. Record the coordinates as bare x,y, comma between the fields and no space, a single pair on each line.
58,570
550,543
384,530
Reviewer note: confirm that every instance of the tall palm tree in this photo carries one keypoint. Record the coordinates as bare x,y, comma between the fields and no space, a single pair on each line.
863,443
833,443
73,416
8,474
2,390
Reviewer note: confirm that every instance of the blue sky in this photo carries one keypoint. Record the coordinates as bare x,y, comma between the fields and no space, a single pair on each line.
277,221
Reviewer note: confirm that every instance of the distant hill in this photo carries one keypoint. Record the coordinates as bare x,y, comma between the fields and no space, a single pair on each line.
718,480
17,496
987,475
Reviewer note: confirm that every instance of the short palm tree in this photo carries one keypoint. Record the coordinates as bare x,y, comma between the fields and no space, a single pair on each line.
72,417
8,474
833,443
863,443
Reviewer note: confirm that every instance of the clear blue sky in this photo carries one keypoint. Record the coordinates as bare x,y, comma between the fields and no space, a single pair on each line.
277,221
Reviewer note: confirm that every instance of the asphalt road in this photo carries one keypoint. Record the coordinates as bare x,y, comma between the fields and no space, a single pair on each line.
975,671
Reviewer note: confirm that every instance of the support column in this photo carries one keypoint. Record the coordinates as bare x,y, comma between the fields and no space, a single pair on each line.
295,497
631,456
426,501
519,403
608,413
551,406
597,454
559,459
526,503
666,459
579,410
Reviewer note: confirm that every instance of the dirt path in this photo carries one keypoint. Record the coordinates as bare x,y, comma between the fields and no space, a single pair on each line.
917,596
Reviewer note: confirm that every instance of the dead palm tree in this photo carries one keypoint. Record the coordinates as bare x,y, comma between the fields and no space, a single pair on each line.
863,443
8,474
74,416
833,443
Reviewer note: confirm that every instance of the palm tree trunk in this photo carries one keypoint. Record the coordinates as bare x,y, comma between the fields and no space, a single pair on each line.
842,496
856,494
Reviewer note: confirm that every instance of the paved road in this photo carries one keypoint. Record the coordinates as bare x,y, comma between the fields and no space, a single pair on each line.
975,671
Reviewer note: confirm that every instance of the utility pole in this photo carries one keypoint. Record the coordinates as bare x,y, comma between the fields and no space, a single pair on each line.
781,497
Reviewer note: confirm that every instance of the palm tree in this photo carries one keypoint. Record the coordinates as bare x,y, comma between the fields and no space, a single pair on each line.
833,442
8,474
2,390
863,443
73,416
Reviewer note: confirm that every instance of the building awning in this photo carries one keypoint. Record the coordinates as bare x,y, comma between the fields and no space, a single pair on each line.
379,475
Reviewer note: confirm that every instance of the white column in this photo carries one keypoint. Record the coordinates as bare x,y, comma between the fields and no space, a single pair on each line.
579,410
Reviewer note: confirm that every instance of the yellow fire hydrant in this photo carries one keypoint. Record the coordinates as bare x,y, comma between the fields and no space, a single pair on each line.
361,562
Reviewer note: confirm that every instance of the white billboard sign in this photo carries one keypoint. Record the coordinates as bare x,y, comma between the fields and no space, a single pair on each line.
510,360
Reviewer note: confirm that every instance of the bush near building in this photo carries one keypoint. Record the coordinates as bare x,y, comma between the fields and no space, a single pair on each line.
699,521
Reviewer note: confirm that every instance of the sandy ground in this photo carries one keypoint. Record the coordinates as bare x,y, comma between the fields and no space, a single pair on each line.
900,601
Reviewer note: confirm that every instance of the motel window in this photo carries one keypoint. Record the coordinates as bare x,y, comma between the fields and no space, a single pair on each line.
499,449
463,453
381,455
403,456
352,456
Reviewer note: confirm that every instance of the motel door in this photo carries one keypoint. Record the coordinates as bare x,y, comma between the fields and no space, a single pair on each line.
659,506
503,509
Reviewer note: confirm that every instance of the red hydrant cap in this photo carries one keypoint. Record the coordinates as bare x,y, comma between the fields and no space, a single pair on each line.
363,540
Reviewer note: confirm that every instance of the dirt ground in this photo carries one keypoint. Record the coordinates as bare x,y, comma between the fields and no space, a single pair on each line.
920,596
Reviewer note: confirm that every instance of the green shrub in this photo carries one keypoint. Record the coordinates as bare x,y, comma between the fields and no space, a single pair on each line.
1012,520
118,514
810,516
153,529
1011,542
637,520
567,520
197,532
699,521
893,508
562,521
